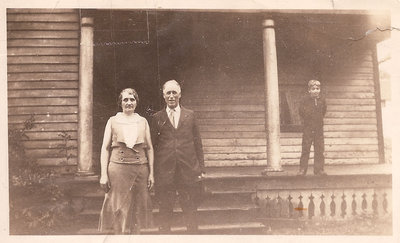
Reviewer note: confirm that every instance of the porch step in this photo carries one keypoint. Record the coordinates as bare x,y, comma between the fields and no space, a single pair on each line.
212,200
204,229
205,216
225,207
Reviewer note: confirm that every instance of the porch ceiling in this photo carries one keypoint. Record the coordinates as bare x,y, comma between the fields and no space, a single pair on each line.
300,35
350,25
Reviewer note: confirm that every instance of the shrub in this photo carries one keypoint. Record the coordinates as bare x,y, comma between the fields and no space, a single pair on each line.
37,204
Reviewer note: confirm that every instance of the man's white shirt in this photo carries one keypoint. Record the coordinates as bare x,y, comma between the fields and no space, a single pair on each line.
176,114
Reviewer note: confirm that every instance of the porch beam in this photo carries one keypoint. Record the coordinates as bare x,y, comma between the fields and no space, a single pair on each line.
271,97
85,123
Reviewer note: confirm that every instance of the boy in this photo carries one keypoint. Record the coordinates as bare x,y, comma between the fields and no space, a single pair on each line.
312,111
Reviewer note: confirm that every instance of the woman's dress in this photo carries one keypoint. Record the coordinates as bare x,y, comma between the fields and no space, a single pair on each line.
127,205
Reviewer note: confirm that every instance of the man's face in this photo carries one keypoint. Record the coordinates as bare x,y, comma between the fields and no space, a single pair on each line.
314,91
128,102
171,96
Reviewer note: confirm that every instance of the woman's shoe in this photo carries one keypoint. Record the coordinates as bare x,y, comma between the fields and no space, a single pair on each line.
301,172
320,173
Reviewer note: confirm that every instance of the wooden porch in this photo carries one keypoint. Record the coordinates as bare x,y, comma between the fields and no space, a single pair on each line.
239,200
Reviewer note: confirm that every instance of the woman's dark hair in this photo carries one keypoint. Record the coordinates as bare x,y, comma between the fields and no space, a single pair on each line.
129,91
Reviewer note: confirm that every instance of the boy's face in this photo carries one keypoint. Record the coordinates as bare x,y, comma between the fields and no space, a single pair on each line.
314,91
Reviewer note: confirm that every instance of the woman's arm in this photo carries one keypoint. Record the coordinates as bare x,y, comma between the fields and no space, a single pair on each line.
105,154
150,156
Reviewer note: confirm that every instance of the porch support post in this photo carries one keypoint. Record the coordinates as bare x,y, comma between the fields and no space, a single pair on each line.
271,97
85,126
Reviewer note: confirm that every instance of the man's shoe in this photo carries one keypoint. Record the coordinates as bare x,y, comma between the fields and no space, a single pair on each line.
136,230
164,230
192,229
320,173
301,173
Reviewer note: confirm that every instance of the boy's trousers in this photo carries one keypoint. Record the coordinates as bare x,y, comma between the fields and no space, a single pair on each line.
316,137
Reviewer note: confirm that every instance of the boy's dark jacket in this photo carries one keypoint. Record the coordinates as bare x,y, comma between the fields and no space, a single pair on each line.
312,112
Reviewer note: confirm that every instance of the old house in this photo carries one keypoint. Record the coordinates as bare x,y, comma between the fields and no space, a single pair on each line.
243,72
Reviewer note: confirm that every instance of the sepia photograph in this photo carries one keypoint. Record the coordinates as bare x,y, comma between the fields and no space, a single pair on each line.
201,120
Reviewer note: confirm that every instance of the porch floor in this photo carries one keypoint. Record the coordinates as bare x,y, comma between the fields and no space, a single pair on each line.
291,170
288,171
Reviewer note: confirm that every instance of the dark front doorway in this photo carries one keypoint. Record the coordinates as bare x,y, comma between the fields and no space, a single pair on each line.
125,55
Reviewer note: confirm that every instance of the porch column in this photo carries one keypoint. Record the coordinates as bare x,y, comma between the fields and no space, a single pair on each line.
271,97
85,126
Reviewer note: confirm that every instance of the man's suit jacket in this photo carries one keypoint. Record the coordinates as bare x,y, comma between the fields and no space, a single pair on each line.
176,148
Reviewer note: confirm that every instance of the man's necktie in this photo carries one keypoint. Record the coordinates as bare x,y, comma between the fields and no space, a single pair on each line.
172,117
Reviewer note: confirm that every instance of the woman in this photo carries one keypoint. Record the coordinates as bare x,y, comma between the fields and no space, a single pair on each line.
126,169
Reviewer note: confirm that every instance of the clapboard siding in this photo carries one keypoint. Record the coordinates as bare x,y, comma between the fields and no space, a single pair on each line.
43,93
350,95
42,66
49,144
349,88
42,76
34,34
36,110
222,142
40,101
36,51
57,161
333,147
41,26
353,133
42,10
229,115
351,107
341,128
354,80
337,101
359,121
232,128
234,149
336,141
232,117
57,153
61,84
350,114
51,135
19,119
43,43
256,100
224,108
222,121
43,17
263,155
42,59
230,134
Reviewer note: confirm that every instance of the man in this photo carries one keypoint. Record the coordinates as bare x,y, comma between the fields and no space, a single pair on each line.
179,159
312,110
